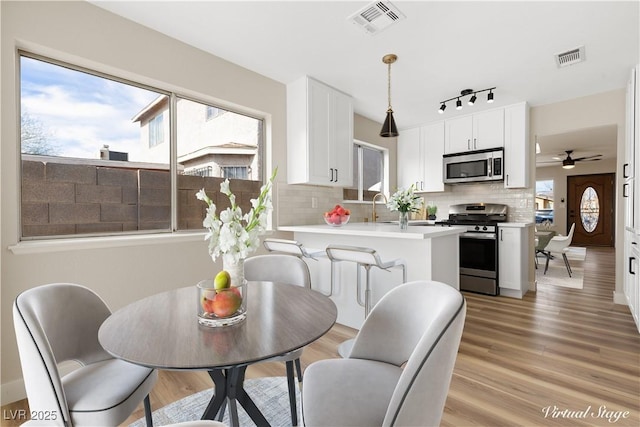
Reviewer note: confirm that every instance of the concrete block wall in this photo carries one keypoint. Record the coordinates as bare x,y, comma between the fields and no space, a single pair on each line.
61,198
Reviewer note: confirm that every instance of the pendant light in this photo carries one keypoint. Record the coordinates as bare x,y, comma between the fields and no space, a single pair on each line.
389,128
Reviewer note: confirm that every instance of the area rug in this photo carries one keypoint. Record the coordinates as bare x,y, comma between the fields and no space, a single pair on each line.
576,253
269,394
557,274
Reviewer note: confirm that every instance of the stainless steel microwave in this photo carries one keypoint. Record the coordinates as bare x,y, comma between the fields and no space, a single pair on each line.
473,166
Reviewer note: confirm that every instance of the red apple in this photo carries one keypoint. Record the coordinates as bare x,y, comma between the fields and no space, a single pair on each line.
226,303
207,301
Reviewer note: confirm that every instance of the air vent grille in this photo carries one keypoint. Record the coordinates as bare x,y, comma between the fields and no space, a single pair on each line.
570,57
376,17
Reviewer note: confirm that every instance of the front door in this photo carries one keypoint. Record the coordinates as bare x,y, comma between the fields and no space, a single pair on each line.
590,207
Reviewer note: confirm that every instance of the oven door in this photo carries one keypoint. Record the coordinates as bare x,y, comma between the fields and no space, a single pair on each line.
479,263
479,255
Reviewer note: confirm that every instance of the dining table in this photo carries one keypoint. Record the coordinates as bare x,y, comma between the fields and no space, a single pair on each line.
162,332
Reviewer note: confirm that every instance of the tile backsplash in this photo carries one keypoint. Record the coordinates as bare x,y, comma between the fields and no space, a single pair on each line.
305,204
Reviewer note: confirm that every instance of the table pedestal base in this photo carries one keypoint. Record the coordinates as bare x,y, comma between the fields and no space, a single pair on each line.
229,386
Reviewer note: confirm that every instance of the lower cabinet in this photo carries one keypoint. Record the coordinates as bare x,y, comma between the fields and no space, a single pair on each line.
514,259
632,275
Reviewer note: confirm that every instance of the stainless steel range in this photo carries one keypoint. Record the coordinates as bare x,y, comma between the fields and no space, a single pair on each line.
478,245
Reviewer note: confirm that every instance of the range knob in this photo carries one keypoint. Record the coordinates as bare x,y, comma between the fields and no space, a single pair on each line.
484,228
477,228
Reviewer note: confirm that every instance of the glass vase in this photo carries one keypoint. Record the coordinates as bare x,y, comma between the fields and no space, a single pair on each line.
403,220
223,304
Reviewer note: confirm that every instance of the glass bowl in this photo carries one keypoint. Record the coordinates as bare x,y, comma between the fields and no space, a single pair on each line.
336,220
221,307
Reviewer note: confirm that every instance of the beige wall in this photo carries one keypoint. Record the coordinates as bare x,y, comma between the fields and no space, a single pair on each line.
83,34
587,112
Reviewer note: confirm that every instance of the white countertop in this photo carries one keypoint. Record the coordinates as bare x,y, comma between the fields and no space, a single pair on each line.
515,224
376,229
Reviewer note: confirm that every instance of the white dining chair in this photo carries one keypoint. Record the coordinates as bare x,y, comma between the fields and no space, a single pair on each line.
293,271
559,245
59,322
400,366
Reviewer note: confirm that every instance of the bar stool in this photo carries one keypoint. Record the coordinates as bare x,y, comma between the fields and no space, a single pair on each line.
367,258
292,247
295,248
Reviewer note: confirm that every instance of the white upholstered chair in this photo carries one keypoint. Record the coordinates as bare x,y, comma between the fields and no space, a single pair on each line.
400,367
59,322
559,245
293,271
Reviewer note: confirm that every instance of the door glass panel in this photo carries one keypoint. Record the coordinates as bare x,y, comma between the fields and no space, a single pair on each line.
589,209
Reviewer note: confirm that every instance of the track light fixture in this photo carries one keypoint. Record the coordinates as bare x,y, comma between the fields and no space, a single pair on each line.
472,100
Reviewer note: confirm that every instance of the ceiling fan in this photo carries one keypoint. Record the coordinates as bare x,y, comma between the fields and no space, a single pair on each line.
570,162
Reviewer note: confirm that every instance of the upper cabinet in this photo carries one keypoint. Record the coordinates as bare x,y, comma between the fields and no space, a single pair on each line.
420,158
475,132
629,189
319,134
516,146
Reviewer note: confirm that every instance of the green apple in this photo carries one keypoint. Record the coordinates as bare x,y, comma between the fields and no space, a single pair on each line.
222,280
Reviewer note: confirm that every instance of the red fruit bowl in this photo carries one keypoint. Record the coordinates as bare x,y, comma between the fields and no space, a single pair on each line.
336,220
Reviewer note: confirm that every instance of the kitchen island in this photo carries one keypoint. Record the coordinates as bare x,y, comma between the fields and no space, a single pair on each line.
430,252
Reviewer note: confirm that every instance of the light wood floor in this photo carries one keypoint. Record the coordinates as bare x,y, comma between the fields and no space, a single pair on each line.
570,349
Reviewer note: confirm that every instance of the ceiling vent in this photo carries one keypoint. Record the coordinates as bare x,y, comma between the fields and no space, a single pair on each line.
570,57
376,17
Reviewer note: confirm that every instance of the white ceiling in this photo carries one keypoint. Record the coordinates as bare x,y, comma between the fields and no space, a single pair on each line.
442,47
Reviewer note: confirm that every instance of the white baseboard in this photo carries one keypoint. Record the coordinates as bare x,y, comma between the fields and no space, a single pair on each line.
12,391
619,298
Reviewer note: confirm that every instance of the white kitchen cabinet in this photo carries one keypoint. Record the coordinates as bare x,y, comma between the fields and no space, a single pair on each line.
632,275
516,146
319,134
409,164
514,255
420,158
475,132
630,190
631,194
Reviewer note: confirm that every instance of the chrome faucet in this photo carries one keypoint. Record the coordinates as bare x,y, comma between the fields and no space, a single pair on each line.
373,201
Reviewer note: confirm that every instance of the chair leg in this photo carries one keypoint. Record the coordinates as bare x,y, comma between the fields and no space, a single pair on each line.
147,411
546,265
298,369
566,263
292,393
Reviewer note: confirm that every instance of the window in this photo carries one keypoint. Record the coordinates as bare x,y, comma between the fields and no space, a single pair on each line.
213,112
236,172
95,161
369,172
544,201
589,209
156,131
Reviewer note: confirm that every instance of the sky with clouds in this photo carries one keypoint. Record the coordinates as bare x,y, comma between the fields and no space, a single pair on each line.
80,112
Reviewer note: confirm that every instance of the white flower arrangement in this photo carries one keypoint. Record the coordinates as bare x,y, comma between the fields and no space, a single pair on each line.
405,201
233,235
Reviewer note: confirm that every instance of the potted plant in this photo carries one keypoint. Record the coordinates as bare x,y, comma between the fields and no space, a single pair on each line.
431,212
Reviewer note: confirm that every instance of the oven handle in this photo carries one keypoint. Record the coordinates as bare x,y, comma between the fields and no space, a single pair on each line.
483,236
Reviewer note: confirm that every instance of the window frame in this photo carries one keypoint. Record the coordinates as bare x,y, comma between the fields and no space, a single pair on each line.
110,239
